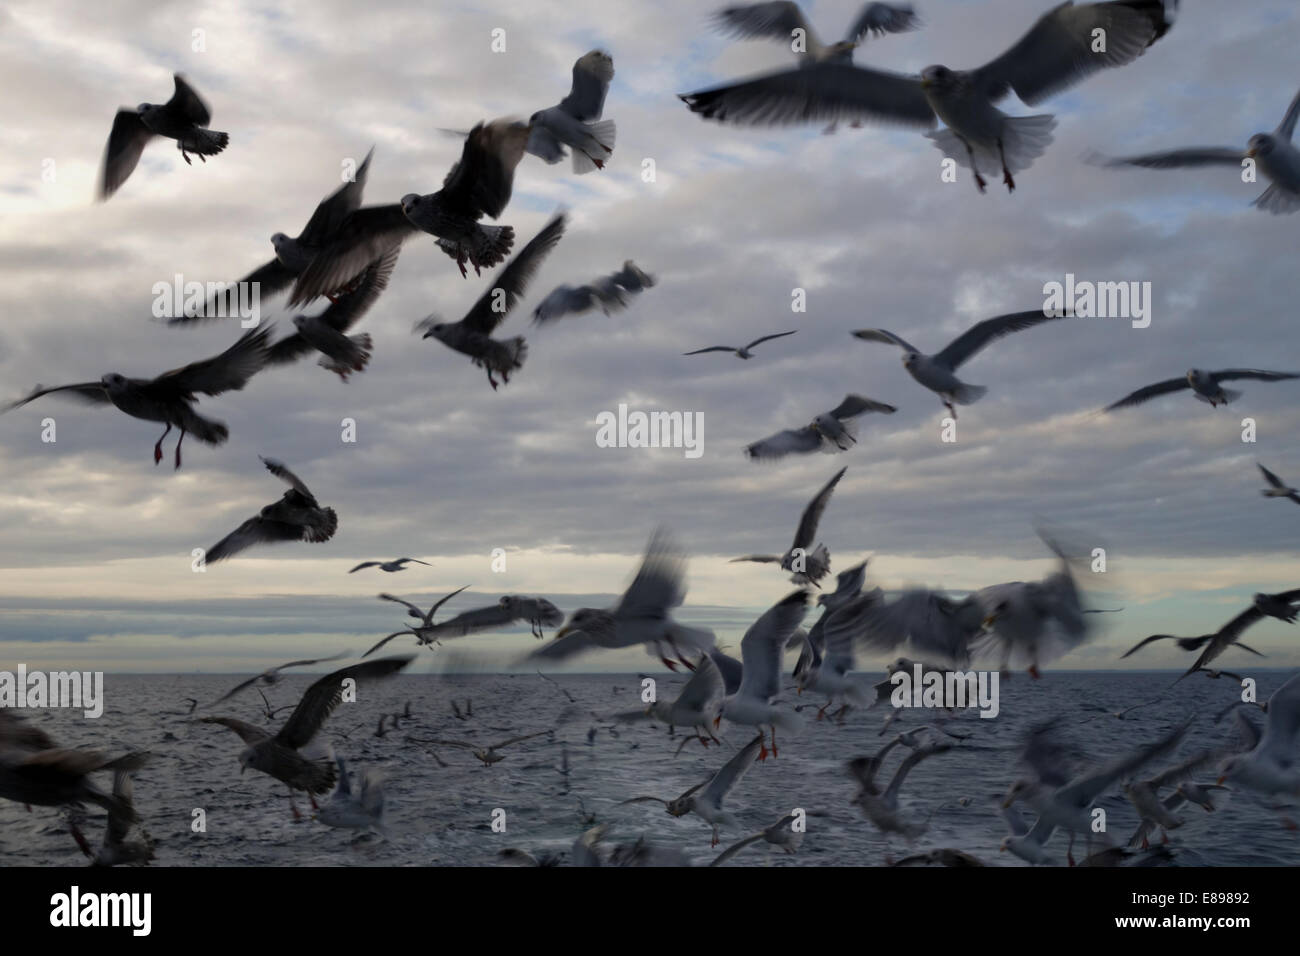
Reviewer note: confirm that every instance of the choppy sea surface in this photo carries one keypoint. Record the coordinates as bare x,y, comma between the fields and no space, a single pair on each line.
443,815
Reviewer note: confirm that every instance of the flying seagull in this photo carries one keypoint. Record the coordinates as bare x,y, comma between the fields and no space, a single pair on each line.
538,612
278,756
938,372
575,122
272,676
1204,385
643,614
825,85
340,353
881,807
742,352
422,632
170,397
938,628
362,811
705,799
830,432
390,566
292,254
824,664
116,849
478,185
490,754
1277,489
1062,48
809,567
1270,767
296,516
608,293
472,335
1273,153
779,834
1279,606
183,118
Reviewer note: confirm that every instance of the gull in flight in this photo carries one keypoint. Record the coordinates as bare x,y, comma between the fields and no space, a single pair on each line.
478,185
326,333
643,615
292,254
279,756
744,351
761,649
184,118
272,676
169,398
1271,766
778,834
881,808
1067,44
488,755
705,799
824,664
538,612
824,85
396,565
117,850
422,632
1273,153
1204,385
575,121
1277,489
809,567
608,293
362,811
1155,812
830,432
1280,606
938,372
472,335
928,623
693,707
296,516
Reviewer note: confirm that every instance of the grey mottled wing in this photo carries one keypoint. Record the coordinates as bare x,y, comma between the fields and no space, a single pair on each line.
822,92
92,393
1150,392
126,143
1058,51
256,530
855,405
366,235
774,19
247,732
592,73
979,335
325,694
229,371
343,313
281,471
336,207
764,643
1257,374
658,582
789,442
812,515
879,19
481,181
509,286
726,778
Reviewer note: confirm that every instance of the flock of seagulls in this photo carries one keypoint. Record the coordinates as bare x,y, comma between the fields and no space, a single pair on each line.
347,253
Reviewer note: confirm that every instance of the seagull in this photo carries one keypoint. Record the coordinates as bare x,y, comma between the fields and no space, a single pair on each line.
296,516
930,624
364,811
705,799
478,185
643,615
1278,605
472,335
272,676
538,612
59,777
1277,489
422,632
608,293
575,121
938,372
943,856
1059,51
183,118
1271,767
397,565
18,734
881,808
1273,153
1204,385
1155,812
824,665
279,756
825,85
778,834
744,351
169,398
830,432
809,567
341,354
693,707
1024,841
116,849
488,755
761,649
292,254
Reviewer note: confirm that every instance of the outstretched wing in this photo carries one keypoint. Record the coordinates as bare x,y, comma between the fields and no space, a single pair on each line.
1150,392
92,393
879,19
1286,128
126,144
795,441
982,333
1258,374
509,286
884,335
366,235
812,515
257,530
481,181
767,338
187,103
281,471
774,20
327,693
1191,156
336,207
1271,478
713,348
229,371
855,405
247,732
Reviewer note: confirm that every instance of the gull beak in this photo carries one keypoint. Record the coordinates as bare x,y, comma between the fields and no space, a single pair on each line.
717,721
1250,154
926,83
1007,803
989,621
1002,849
562,631
799,691
1219,782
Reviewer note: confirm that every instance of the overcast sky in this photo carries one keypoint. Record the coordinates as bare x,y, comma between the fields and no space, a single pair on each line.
95,541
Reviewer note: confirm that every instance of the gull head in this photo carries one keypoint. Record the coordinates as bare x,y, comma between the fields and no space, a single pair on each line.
145,108
410,202
1198,376
588,619
937,77
843,48
278,240
114,382
1261,144
299,321
681,806
992,618
436,331
910,359
247,758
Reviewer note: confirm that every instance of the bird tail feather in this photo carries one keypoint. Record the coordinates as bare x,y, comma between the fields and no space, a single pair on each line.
596,147
969,394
